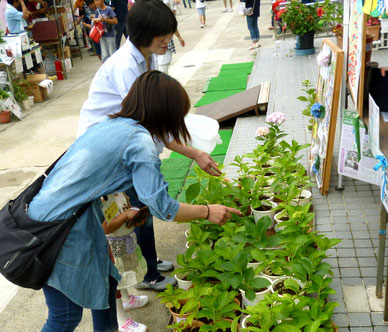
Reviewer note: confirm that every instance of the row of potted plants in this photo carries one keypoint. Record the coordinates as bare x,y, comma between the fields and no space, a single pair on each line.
258,272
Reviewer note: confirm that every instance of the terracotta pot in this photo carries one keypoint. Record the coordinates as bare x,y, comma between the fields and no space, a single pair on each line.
5,116
194,324
373,30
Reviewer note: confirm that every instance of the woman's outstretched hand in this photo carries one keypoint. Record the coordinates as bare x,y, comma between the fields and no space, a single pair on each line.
220,214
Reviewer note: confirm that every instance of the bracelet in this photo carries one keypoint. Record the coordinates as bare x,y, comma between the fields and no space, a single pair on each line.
208,211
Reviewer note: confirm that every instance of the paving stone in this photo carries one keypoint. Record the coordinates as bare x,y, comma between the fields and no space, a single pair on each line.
343,235
324,227
369,281
349,272
340,220
356,304
367,262
343,329
347,262
321,207
381,329
341,309
365,252
360,235
358,227
346,244
341,227
355,212
322,220
378,319
337,206
363,243
346,253
359,319
332,261
373,226
341,320
356,218
361,329
338,213
351,281
368,271
372,212
324,213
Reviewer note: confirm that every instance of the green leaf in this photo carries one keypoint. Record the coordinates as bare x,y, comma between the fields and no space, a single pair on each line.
259,283
231,279
192,192
292,284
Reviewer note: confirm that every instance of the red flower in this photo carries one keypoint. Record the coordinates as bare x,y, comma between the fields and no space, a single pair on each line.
320,11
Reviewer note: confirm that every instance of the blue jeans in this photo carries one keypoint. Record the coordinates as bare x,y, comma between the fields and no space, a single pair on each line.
65,315
253,28
184,3
108,47
120,30
146,240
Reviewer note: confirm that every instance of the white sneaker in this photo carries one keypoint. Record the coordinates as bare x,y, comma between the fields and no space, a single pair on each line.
230,10
135,302
201,26
131,326
224,11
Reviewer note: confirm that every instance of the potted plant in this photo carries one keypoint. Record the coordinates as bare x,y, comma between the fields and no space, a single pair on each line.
20,95
309,98
303,20
5,115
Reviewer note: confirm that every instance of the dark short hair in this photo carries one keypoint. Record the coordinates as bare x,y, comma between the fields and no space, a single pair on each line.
159,103
11,2
89,2
149,19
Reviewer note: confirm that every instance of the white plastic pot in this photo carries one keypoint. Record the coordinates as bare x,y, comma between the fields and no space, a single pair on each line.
270,213
278,220
26,104
306,197
253,265
259,295
184,284
31,100
282,279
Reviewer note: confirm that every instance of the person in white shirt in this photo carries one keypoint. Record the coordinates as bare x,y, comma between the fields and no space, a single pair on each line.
150,26
15,18
201,7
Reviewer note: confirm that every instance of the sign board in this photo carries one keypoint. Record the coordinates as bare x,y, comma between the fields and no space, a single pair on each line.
348,163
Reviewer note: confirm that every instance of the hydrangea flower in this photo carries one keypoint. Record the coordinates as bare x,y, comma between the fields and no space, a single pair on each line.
262,131
276,118
317,111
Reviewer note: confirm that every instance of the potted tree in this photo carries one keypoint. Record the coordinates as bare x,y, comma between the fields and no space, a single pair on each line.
303,20
5,115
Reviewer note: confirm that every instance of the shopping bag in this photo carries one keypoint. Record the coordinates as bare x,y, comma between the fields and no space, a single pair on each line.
203,131
96,32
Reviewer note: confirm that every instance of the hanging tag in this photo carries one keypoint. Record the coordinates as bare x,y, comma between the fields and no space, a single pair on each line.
38,55
28,58
18,65
110,208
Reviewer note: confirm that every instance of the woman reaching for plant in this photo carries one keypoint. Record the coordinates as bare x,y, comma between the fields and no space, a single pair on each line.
113,156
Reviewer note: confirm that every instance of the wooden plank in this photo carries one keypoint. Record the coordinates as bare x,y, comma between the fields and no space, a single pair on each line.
235,105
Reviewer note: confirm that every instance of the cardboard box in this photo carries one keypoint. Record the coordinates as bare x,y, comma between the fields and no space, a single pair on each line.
33,89
67,52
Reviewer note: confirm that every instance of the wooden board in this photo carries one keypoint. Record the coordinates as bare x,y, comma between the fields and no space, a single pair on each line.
323,131
255,98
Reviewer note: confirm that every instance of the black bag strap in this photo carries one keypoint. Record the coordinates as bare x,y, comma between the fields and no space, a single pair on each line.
84,207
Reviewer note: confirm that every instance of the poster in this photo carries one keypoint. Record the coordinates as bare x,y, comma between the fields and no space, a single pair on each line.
356,49
348,163
18,65
38,55
374,127
28,58
11,105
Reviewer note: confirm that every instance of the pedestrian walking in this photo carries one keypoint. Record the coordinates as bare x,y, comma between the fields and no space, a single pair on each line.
252,22
201,7
120,8
226,6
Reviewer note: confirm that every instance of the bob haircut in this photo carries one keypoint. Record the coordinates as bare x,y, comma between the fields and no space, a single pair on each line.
149,19
159,103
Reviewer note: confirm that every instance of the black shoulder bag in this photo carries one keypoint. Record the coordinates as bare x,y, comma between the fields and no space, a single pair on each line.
29,248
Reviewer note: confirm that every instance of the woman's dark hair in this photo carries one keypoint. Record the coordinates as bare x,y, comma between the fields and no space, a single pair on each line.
159,103
149,19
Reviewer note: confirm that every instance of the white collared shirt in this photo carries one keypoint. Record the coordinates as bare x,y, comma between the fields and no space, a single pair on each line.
111,84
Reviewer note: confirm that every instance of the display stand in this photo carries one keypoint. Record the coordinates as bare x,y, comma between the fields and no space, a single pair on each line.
323,132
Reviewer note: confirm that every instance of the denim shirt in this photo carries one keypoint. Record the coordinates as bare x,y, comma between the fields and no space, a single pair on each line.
112,156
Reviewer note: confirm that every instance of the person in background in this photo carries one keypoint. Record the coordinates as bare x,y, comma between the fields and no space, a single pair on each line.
150,26
15,19
201,7
252,22
90,13
226,6
107,16
188,1
121,9
383,71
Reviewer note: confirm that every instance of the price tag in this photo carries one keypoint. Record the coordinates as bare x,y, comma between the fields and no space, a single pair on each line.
28,58
38,55
3,77
18,65
110,208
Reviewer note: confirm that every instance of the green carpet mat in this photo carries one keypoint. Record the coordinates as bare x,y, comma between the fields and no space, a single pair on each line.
234,66
227,82
212,96
177,167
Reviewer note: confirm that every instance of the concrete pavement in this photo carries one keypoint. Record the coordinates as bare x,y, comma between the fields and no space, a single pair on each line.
31,145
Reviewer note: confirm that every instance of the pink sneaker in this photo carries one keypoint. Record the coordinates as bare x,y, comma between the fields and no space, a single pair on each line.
135,302
131,326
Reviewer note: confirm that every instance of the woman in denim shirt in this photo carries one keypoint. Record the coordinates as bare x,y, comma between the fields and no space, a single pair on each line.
113,156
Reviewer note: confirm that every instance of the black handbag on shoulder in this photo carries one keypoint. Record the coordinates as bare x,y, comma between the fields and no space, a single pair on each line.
29,248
